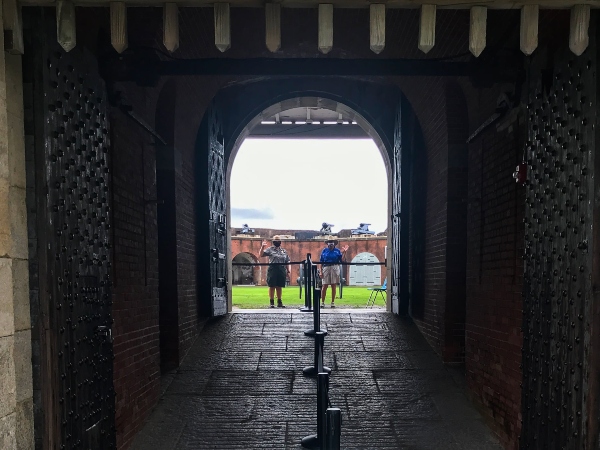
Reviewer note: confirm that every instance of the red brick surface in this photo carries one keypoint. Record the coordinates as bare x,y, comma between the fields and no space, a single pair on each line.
297,250
135,290
494,274
486,295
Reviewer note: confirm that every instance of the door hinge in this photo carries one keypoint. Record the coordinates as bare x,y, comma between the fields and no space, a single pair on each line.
104,330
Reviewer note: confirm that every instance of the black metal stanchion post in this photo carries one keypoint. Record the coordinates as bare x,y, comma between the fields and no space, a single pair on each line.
307,284
341,281
316,296
317,441
301,280
312,371
333,428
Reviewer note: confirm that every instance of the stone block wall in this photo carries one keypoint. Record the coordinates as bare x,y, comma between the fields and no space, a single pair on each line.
16,386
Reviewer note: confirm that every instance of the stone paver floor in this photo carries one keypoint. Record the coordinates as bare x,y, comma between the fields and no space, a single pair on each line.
241,387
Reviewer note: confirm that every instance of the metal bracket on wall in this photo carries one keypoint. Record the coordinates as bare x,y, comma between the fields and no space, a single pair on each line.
502,108
117,99
216,255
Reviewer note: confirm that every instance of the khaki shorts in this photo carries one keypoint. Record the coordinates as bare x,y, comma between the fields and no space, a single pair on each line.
331,274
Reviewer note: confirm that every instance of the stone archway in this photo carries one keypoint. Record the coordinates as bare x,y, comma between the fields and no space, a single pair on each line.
379,107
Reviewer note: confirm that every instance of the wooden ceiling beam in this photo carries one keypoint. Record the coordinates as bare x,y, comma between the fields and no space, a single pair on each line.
325,27
222,26
118,26
529,28
273,26
171,26
377,27
578,35
427,28
390,4
66,28
478,30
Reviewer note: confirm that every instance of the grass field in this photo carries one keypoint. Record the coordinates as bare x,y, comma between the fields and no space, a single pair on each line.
254,297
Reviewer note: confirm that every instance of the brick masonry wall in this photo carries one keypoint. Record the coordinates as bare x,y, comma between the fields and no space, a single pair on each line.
193,97
429,102
494,270
493,288
456,252
135,291
297,250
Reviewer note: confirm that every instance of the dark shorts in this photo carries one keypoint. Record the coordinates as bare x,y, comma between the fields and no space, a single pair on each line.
276,276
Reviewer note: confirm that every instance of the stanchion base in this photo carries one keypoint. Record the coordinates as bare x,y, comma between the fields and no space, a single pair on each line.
312,333
311,371
305,309
311,441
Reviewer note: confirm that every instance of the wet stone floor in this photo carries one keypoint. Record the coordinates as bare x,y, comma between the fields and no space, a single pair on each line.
241,387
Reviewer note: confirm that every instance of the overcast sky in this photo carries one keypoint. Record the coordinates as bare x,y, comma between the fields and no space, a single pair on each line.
347,184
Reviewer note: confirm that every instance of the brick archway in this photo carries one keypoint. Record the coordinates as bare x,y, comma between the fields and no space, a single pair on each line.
321,102
246,274
368,117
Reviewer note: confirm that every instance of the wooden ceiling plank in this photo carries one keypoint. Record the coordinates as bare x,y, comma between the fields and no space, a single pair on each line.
325,27
390,4
478,30
222,26
273,26
529,28
118,26
579,38
427,28
171,26
377,27
13,27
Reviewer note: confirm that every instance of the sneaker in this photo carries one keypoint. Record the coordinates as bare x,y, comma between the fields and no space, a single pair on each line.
272,302
280,304
322,305
332,305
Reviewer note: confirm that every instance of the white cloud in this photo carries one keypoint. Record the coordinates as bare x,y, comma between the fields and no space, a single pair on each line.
305,182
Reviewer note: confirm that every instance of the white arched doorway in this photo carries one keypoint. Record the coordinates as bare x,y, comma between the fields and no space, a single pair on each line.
364,275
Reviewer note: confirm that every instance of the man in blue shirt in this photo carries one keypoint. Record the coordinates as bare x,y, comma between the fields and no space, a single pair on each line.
331,257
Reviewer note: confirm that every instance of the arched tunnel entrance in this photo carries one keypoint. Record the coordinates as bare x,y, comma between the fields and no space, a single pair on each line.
379,109
349,115
114,226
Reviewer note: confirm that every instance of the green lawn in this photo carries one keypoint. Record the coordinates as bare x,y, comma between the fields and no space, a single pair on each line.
254,297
